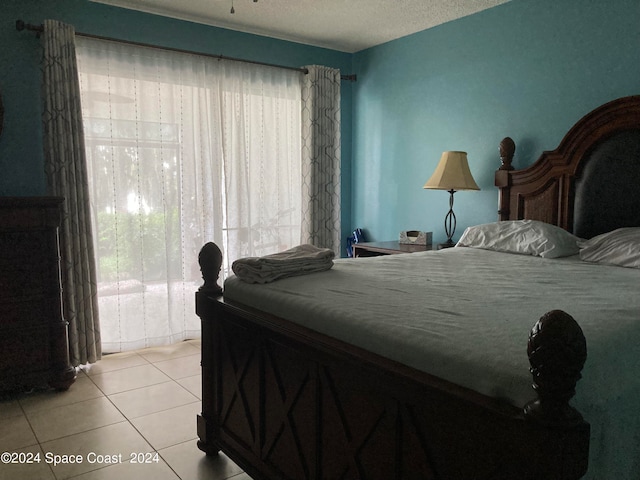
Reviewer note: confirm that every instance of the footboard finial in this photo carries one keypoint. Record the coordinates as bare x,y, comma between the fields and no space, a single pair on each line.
210,260
557,351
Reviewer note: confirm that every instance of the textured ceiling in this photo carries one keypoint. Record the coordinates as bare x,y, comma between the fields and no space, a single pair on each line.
344,25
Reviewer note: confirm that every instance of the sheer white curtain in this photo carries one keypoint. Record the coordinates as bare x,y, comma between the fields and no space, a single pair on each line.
182,150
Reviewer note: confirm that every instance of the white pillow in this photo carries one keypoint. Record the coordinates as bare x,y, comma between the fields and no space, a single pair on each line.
529,237
619,247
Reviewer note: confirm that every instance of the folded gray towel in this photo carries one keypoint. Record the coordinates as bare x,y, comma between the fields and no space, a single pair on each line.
298,260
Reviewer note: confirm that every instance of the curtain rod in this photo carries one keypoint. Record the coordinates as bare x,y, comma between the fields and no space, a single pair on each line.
21,25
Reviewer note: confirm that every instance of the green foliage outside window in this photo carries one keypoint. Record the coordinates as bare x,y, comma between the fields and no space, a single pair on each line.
124,236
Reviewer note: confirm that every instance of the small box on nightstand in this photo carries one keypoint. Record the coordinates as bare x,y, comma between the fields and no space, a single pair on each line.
415,237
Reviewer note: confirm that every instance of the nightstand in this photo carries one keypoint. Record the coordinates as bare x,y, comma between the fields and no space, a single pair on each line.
374,249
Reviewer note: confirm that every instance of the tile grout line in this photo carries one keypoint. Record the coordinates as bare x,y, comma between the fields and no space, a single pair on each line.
129,420
24,409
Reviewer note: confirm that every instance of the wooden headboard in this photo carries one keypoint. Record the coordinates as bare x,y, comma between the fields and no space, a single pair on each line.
590,184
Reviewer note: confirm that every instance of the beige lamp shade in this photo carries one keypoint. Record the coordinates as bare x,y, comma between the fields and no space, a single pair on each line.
452,173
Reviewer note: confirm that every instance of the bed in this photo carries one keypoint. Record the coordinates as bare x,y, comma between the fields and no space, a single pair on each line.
315,385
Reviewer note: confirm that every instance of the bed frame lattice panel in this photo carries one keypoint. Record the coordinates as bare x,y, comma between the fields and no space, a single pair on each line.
299,407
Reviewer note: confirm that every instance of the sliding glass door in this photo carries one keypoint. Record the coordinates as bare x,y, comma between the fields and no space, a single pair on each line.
182,150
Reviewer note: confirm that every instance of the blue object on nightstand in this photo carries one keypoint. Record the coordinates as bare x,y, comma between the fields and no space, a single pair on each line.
356,237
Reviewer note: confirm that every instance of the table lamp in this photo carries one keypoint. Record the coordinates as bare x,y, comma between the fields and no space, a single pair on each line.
452,174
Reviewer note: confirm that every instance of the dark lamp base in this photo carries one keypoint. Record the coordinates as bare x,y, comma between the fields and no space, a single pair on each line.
447,244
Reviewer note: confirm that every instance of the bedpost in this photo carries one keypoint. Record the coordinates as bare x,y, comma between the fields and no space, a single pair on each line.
503,177
557,351
210,260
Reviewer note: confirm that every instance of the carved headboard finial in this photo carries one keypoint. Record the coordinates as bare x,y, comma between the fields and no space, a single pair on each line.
557,351
210,260
507,149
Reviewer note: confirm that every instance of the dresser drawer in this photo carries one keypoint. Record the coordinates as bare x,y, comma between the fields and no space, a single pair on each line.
25,280
31,246
17,350
30,310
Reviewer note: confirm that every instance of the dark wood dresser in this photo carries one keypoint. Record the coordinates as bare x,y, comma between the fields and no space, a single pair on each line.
34,348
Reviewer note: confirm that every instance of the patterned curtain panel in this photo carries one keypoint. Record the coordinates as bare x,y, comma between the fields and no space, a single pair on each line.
67,177
321,158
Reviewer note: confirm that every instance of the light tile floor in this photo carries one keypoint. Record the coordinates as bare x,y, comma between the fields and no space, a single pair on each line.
141,403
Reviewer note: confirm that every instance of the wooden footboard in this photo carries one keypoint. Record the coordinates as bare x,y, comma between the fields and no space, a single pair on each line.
285,402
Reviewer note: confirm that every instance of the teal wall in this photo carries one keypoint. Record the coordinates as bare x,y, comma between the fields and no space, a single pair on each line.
528,69
21,158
